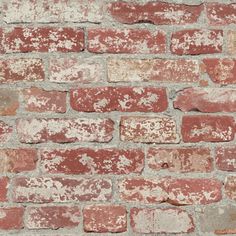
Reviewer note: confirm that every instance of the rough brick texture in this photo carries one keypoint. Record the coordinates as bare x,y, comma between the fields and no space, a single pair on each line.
117,117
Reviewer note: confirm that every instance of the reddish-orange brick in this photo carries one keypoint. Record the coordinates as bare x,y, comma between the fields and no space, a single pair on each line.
180,159
11,218
166,220
206,100
148,129
230,187
74,70
196,42
64,130
9,102
125,99
159,13
163,70
221,14
42,39
226,158
58,189
40,100
52,217
90,161
3,189
103,40
207,128
17,160
220,71
5,132
105,218
21,69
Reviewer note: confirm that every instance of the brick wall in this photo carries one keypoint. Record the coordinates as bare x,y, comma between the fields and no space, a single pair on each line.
117,117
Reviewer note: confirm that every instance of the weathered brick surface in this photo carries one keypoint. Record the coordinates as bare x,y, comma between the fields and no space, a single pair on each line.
117,117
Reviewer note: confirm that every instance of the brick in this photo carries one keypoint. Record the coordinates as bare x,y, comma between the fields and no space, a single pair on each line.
17,160
113,218
22,69
150,220
218,219
231,42
148,129
174,191
64,130
221,14
52,217
196,41
194,191
124,99
58,189
11,218
221,71
180,160
42,39
206,100
163,70
143,190
5,132
69,70
40,100
3,188
104,40
9,102
52,11
92,161
230,187
158,13
226,158
207,128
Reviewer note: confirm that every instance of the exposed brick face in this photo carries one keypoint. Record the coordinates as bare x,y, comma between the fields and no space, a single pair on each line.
117,117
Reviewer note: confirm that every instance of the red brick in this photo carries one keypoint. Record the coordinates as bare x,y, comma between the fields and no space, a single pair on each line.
17,160
126,41
9,102
5,132
52,217
221,14
64,130
230,187
206,100
92,161
231,39
51,11
159,13
221,71
207,128
125,99
3,188
56,189
43,39
167,220
148,129
194,191
181,160
69,70
11,218
226,158
40,100
174,191
143,190
163,70
105,218
21,69
218,219
196,42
